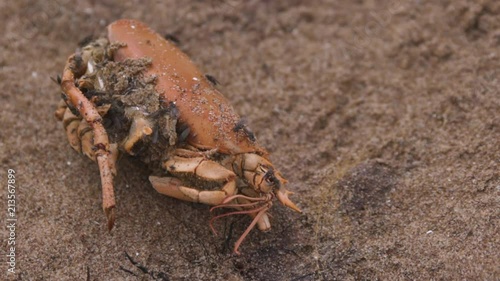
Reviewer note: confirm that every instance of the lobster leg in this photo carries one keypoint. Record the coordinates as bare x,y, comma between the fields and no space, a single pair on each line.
201,167
173,187
80,137
75,66
71,123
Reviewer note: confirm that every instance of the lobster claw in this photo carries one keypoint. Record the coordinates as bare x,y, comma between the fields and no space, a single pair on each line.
282,195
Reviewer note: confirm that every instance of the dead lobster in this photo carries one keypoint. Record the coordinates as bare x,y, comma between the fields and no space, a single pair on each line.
136,93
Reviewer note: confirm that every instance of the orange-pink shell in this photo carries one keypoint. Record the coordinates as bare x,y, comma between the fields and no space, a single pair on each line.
203,108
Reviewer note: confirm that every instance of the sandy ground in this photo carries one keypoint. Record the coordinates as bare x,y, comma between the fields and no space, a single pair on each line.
383,115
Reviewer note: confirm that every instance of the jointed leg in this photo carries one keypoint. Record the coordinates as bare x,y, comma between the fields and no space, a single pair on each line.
80,135
201,167
71,123
75,66
173,187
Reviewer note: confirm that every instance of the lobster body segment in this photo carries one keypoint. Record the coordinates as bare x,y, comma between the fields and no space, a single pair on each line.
207,113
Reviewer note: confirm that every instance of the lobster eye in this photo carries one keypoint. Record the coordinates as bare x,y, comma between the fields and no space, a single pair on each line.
270,178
